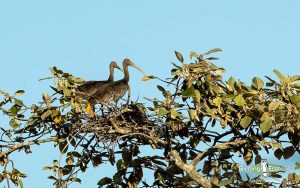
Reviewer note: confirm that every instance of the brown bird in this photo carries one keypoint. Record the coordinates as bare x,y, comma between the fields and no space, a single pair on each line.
90,87
116,90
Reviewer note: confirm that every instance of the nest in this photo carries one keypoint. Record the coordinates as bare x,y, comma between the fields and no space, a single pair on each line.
125,123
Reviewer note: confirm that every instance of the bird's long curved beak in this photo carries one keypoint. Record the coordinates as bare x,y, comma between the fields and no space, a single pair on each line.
138,68
117,66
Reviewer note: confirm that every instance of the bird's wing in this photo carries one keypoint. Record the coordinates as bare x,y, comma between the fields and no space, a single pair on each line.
114,90
90,87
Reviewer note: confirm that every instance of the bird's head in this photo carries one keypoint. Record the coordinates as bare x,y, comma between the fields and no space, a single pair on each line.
128,62
114,64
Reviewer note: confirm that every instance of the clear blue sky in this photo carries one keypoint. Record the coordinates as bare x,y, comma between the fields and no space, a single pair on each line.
83,37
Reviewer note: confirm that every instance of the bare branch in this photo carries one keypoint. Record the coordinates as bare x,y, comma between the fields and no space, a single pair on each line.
21,145
224,146
190,170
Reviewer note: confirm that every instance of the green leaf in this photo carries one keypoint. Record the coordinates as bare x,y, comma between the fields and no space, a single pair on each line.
174,114
52,70
192,114
288,152
14,123
297,165
120,164
52,178
275,145
79,80
46,99
245,122
75,180
63,147
47,168
47,78
104,181
67,92
266,125
278,74
147,78
213,51
160,88
19,92
225,182
217,101
193,54
14,110
295,99
278,153
273,105
188,92
126,156
46,114
257,159
21,183
162,111
57,70
197,96
257,83
179,56
239,100
18,102
66,170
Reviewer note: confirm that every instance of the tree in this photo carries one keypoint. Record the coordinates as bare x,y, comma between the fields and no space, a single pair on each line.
200,127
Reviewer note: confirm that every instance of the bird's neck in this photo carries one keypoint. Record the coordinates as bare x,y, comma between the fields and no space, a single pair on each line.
126,73
111,74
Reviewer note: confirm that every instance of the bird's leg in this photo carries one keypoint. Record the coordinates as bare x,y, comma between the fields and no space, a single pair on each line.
128,99
102,110
116,105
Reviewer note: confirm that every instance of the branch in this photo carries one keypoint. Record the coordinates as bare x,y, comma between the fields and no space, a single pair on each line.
190,170
224,146
21,145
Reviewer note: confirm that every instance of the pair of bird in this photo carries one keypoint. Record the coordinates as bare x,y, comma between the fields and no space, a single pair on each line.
104,91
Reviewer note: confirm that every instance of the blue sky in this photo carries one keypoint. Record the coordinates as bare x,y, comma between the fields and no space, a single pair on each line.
82,38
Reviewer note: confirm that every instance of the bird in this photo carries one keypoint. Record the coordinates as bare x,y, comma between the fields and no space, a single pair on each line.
116,90
90,87
87,89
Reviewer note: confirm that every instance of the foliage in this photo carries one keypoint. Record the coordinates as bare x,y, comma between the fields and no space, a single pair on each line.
200,125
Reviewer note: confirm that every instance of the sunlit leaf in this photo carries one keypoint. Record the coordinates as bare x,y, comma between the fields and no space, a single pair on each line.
278,74
19,92
225,182
63,147
104,181
257,83
245,121
295,99
193,54
273,105
46,114
239,100
162,111
147,78
297,165
14,123
213,51
46,99
47,168
188,92
89,109
179,56
266,125
57,119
